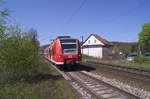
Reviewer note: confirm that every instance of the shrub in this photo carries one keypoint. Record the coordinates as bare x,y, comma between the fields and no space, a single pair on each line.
18,55
141,59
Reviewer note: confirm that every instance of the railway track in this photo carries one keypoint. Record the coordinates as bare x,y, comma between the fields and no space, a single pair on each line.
136,74
89,87
123,68
98,88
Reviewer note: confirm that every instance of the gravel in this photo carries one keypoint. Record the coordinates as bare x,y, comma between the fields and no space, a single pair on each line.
136,91
74,85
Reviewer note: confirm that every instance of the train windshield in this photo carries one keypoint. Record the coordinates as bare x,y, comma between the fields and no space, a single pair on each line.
69,49
68,46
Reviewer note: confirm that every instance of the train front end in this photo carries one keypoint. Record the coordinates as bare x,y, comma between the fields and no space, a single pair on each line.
71,51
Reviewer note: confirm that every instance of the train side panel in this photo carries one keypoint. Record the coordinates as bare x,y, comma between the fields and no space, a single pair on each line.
56,55
59,53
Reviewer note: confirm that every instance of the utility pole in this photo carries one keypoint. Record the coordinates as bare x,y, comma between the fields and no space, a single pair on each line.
82,38
82,43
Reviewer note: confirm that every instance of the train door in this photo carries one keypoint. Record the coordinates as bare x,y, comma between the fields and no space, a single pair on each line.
54,52
49,53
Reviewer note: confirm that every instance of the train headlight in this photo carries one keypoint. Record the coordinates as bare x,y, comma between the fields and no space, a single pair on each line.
60,56
79,55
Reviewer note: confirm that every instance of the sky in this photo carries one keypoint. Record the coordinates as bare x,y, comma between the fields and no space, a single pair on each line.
113,20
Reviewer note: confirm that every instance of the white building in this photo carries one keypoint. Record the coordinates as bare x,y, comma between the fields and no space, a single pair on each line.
96,46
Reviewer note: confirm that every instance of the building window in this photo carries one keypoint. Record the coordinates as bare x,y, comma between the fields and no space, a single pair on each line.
94,41
89,41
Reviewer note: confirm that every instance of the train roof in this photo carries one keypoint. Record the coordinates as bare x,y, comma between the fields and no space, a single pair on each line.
63,37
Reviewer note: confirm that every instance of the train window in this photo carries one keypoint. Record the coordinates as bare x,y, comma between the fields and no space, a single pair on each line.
53,50
49,52
52,53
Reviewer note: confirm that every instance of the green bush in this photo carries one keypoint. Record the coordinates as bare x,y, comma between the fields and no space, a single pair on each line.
141,59
18,55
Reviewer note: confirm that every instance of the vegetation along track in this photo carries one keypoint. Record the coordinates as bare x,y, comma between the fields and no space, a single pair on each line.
92,88
133,73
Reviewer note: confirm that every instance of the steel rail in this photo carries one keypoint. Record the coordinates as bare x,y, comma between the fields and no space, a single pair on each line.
69,81
108,90
87,89
109,85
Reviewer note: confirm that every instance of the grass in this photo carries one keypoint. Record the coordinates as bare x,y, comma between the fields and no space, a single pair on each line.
47,84
120,62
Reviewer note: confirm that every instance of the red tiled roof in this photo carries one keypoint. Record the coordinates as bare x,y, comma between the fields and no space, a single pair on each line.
102,40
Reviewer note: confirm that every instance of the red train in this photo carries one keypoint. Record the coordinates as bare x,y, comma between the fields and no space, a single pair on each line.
64,50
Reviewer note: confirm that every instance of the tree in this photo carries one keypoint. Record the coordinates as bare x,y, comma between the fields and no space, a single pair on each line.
3,22
144,38
18,55
134,48
33,35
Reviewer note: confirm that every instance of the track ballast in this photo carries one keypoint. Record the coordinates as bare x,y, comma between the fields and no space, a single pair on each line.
90,87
